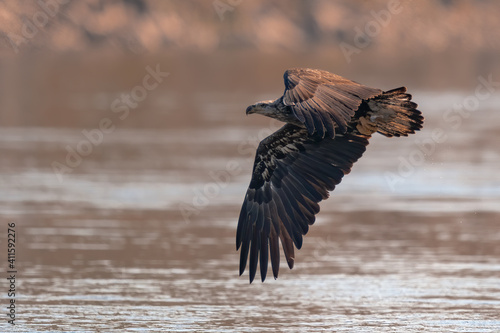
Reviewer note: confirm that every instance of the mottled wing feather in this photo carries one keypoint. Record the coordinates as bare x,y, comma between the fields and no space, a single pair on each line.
323,101
293,171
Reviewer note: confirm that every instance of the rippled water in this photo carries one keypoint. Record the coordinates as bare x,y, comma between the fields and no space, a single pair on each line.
140,236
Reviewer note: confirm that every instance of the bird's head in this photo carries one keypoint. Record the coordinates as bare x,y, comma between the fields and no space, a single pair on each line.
264,108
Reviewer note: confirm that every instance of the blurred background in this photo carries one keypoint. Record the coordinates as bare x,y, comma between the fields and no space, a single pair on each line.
125,154
64,61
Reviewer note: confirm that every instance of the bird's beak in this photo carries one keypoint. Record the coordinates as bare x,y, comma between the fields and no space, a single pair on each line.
250,109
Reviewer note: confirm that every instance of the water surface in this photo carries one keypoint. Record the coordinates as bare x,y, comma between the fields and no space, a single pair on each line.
141,235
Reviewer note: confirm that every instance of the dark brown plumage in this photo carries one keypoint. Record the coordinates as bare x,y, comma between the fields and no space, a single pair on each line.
329,121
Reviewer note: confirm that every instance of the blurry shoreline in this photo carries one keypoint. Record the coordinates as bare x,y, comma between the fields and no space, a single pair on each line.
67,68
71,89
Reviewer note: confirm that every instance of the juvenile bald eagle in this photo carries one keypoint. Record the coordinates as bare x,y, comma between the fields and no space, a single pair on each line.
329,120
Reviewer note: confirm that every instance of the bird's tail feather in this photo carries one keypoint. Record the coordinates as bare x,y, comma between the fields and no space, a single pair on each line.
395,113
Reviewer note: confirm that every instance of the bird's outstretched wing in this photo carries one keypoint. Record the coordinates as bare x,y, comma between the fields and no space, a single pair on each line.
322,100
293,171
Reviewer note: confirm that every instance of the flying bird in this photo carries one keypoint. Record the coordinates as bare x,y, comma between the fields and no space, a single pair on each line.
329,120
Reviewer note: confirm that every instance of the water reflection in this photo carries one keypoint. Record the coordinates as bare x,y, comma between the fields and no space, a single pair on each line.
109,248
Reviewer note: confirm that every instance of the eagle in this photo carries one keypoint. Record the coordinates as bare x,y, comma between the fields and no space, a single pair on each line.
328,121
